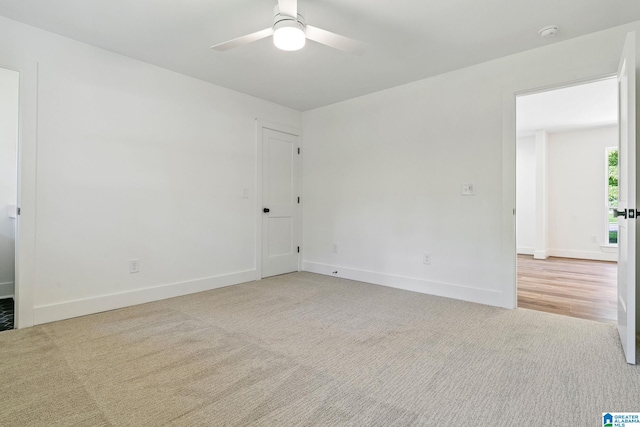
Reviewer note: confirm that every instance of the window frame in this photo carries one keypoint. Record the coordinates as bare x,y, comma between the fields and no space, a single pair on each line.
608,207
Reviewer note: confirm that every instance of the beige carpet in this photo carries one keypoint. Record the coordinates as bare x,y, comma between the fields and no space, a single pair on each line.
304,349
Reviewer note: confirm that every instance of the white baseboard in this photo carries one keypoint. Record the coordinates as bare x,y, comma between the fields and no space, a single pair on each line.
563,253
69,309
7,290
460,292
596,256
541,254
524,250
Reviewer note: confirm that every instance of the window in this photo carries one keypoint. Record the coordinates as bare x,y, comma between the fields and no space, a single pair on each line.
612,195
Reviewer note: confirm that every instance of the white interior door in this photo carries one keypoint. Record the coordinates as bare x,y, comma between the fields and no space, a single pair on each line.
627,200
279,202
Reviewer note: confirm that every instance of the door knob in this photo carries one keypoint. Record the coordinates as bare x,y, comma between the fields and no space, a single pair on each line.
622,213
266,210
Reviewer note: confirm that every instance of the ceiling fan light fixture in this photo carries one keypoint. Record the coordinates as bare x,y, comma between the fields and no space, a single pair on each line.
290,32
289,35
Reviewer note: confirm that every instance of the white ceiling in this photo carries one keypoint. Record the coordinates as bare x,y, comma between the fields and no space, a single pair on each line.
410,39
582,106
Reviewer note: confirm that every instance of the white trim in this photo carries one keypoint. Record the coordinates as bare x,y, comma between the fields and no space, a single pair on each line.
521,250
82,307
459,292
541,195
277,127
260,126
26,221
566,78
7,290
596,256
541,254
300,210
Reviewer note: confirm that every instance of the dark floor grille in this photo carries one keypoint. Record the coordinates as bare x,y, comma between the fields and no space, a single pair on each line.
6,314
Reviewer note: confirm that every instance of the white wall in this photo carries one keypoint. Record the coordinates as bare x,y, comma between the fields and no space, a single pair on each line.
135,161
576,176
382,175
8,177
526,195
577,186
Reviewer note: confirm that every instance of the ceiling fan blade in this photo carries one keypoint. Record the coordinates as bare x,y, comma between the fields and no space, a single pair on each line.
288,7
335,41
249,38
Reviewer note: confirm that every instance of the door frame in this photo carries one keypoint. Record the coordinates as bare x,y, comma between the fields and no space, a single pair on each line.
25,255
260,126
510,92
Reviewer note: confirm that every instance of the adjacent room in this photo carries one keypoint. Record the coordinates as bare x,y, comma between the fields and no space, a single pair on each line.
567,192
310,213
8,192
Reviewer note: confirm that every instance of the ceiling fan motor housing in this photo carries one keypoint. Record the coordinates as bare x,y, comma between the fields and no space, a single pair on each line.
279,19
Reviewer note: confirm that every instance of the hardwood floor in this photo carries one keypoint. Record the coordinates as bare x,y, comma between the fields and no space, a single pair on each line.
572,287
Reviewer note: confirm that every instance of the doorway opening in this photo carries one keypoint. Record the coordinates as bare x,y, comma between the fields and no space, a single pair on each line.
9,132
566,195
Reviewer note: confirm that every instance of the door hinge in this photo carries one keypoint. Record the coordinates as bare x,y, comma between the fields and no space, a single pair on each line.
298,249
18,211
298,150
298,199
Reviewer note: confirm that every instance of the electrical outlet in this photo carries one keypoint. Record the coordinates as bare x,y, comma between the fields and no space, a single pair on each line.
468,189
594,239
426,258
134,266
334,248
245,193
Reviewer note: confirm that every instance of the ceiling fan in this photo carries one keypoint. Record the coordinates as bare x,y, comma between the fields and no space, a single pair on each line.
290,32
